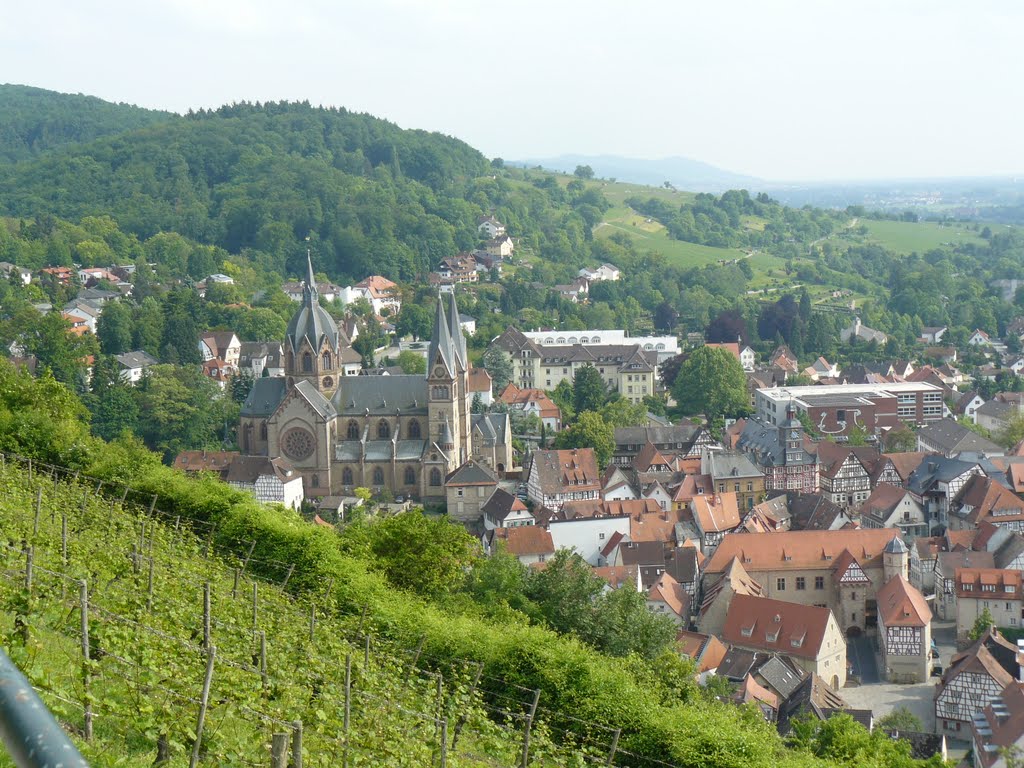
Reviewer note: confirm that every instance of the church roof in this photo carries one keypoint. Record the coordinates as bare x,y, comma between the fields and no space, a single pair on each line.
264,397
311,322
379,450
316,401
382,395
492,426
441,341
455,331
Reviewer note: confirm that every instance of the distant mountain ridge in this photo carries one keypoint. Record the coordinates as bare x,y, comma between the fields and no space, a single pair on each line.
681,172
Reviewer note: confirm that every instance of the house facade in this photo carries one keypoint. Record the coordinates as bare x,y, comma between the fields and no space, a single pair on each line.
993,589
555,477
904,631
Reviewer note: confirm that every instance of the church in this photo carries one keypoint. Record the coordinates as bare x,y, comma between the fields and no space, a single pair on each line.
404,433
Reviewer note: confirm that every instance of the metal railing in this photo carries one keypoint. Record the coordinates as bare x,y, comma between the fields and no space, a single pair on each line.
31,735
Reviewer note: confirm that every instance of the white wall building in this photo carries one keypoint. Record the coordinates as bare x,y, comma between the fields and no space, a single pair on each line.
665,346
587,535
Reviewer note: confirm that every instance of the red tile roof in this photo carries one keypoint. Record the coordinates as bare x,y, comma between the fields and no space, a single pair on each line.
525,540
900,604
759,623
801,550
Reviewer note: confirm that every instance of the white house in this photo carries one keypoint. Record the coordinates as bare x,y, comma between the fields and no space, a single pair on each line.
604,272
220,278
134,364
468,324
490,227
748,358
272,481
980,339
379,291
220,344
7,269
587,536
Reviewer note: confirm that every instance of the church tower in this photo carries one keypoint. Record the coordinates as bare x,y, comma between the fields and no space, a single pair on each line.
895,559
311,345
443,379
462,401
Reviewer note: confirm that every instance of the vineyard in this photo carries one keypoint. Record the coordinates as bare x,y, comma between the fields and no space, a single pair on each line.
154,642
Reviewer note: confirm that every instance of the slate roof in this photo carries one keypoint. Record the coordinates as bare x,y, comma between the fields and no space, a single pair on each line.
264,397
567,470
270,350
762,440
311,322
316,400
781,676
470,473
730,464
677,437
381,395
136,359
491,426
953,438
501,505
812,511
936,469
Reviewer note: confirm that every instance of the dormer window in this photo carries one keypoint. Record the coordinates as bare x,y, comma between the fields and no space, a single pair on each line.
747,631
772,637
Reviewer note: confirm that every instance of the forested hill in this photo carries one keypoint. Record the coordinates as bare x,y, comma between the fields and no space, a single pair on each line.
34,120
374,197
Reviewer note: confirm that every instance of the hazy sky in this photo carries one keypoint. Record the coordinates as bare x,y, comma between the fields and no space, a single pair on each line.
774,88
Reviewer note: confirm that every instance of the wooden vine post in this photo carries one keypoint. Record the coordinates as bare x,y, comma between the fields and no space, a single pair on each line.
83,603
204,702
528,726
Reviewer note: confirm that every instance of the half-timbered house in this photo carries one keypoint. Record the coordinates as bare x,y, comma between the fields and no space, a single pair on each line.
904,631
971,680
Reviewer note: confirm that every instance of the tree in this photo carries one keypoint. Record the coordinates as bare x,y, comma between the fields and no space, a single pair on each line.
589,392
500,580
414,320
498,365
179,409
856,436
583,172
426,555
1013,433
412,362
900,439
900,719
114,329
622,413
982,624
623,624
665,317
564,593
589,431
712,382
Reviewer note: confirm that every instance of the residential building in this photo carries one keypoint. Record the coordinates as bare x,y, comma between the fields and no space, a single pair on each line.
503,510
134,364
535,401
23,274
967,405
216,462
890,506
382,294
999,412
257,358
973,678
665,347
500,247
933,334
983,499
862,333
946,566
220,344
489,227
685,440
780,454
936,481
591,537
530,544
904,630
272,481
715,516
808,635
466,491
841,569
844,472
479,384
733,471
555,477
951,439
707,651
624,368
814,512
997,730
603,272
718,593
667,598
993,589
924,551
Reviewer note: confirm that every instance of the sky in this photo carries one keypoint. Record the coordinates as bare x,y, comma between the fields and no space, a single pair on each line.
785,90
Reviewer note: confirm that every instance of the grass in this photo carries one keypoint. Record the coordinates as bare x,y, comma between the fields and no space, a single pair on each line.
907,237
649,235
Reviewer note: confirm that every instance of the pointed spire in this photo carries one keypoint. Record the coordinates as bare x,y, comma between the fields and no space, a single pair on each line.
440,341
447,441
309,290
458,338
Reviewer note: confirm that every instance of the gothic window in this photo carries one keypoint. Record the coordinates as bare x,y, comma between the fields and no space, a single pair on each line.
328,381
315,482
410,476
439,393
414,430
435,476
307,363
247,438
298,444
346,476
383,430
263,430
378,476
353,430
327,360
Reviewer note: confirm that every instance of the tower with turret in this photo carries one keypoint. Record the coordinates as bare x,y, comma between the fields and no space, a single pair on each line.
311,351
895,560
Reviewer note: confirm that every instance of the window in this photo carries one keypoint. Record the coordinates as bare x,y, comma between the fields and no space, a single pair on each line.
435,477
378,476
819,582
780,584
853,595
750,486
853,616
383,430
721,487
307,363
263,430
840,415
316,481
410,476
326,360
801,583
414,430
346,476
736,487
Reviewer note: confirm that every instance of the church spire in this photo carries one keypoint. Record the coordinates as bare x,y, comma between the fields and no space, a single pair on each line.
441,342
455,330
310,294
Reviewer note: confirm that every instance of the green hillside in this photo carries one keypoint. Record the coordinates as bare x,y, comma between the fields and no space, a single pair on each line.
922,236
33,120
